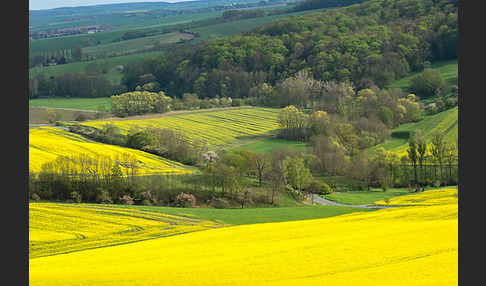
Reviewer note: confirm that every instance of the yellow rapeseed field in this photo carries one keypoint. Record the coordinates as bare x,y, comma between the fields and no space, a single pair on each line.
217,127
47,143
415,245
431,197
63,228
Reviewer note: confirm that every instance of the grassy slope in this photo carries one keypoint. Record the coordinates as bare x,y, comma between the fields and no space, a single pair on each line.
365,197
398,246
448,70
445,122
113,75
266,145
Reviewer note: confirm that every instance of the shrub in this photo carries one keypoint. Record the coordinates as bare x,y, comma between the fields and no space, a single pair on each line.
185,200
427,83
126,199
52,115
141,138
76,196
81,116
319,187
237,102
220,203
36,197
104,197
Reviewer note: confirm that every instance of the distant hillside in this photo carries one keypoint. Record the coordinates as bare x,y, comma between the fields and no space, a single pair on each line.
373,43
103,8
319,4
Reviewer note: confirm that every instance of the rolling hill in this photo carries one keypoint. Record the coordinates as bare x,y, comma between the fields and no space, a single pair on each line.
406,245
48,143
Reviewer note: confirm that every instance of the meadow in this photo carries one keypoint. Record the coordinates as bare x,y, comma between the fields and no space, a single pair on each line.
218,126
47,143
79,103
415,245
113,75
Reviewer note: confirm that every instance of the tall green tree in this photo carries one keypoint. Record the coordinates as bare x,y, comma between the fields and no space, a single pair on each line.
422,153
293,123
451,156
413,155
261,164
437,149
296,173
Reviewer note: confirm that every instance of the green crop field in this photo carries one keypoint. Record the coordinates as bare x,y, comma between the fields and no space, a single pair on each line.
136,44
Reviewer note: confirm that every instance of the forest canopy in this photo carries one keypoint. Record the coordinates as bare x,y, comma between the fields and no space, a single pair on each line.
373,43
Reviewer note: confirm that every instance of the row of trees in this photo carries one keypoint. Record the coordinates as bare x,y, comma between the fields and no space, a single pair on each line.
226,177
59,57
439,153
225,180
89,84
171,144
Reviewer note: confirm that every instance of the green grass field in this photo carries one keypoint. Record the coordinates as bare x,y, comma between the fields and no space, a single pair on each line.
253,215
267,145
113,75
72,103
365,197
448,70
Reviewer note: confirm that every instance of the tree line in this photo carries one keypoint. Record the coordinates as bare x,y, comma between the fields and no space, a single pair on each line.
228,179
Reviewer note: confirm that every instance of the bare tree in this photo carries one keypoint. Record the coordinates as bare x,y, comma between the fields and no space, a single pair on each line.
260,162
245,197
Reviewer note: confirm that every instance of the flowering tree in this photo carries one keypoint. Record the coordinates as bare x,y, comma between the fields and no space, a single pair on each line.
185,200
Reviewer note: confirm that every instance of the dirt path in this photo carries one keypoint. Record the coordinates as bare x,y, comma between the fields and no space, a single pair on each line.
322,201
